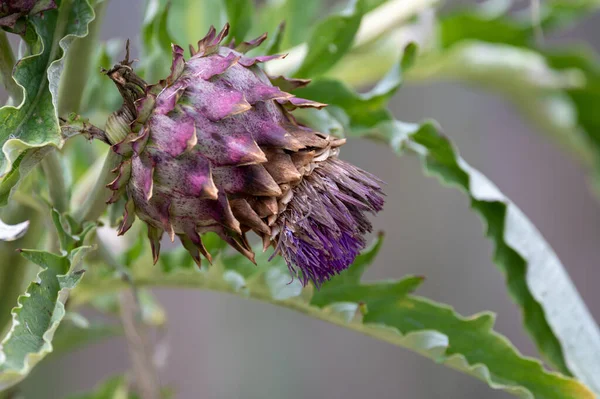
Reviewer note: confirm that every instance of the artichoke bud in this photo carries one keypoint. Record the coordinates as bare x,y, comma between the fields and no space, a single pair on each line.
214,148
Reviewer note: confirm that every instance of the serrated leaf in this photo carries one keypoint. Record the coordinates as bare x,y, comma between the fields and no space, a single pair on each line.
382,310
330,40
536,294
38,314
34,124
539,283
473,347
527,258
239,16
12,232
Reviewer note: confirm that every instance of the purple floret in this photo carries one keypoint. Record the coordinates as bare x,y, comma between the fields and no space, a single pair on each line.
323,227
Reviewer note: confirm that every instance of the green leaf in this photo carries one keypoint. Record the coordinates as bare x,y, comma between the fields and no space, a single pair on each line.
274,43
12,232
554,87
537,281
528,263
189,20
494,22
383,310
331,38
239,16
584,97
364,109
157,41
526,78
33,124
298,16
100,96
38,314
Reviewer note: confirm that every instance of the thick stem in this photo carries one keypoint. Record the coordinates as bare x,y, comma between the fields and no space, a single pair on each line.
77,65
7,63
54,172
95,203
144,371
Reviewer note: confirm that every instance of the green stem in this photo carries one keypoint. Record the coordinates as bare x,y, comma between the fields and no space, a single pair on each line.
57,187
77,65
95,204
7,63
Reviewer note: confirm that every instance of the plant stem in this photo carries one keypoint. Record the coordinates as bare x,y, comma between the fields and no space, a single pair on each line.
57,188
144,371
374,24
78,63
95,203
7,63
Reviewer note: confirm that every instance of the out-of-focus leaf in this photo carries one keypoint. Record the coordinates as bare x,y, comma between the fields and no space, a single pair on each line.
189,20
12,232
33,124
239,16
584,97
383,310
523,76
38,314
493,22
298,16
100,96
274,43
157,41
364,109
551,87
330,40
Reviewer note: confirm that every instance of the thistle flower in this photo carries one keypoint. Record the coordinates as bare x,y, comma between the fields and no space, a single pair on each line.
214,147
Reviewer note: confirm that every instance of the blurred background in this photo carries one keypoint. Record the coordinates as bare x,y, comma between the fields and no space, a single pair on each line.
221,346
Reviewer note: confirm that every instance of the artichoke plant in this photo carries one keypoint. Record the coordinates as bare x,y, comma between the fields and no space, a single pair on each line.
215,148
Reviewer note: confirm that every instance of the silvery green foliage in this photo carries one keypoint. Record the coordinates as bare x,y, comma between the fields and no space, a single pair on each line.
206,147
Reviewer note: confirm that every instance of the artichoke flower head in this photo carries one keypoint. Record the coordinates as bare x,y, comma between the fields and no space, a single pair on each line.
214,148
